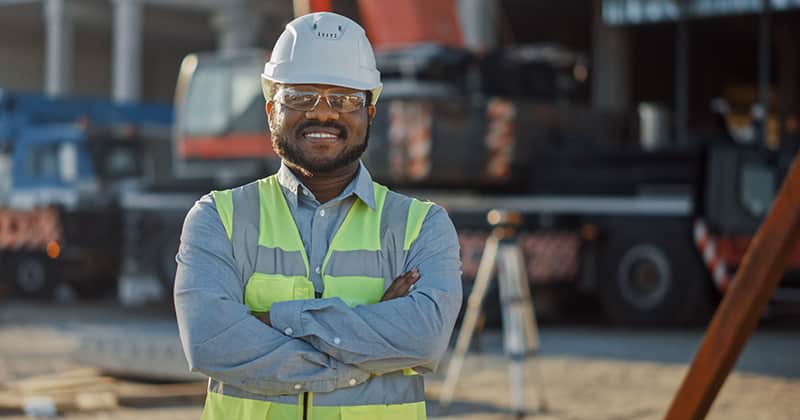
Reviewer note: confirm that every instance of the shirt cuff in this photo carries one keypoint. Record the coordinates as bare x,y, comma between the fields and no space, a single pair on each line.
285,317
349,376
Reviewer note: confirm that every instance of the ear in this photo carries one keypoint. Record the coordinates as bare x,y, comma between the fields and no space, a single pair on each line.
268,107
371,113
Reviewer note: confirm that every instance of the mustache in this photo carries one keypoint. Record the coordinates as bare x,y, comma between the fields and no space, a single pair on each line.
326,124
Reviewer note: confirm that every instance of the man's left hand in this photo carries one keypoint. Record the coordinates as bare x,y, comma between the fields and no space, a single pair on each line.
263,317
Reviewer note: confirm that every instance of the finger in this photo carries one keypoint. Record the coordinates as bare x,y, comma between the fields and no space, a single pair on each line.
407,285
410,274
402,280
263,317
391,291
401,285
395,292
406,281
412,278
398,281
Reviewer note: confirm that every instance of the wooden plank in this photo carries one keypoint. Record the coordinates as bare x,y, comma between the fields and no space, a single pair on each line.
105,396
741,308
10,403
93,401
42,379
149,395
54,384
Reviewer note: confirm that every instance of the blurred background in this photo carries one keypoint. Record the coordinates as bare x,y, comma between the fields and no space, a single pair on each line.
643,142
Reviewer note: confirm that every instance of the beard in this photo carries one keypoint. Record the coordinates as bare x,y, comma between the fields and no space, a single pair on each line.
287,150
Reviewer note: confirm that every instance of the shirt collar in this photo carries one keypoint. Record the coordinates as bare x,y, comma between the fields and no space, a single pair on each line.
361,185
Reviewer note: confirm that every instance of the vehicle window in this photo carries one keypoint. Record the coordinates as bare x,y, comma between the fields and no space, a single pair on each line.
757,188
121,162
247,100
43,162
206,107
5,176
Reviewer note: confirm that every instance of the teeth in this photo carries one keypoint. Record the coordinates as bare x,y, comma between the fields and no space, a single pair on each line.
321,135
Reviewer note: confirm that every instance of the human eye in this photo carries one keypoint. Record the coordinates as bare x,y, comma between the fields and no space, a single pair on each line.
301,99
347,102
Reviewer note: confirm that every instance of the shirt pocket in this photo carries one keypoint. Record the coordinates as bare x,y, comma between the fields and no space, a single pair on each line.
354,290
263,290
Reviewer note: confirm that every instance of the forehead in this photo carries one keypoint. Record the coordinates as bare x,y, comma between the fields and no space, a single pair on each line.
320,87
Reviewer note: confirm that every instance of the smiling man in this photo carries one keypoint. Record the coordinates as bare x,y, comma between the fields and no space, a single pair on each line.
316,293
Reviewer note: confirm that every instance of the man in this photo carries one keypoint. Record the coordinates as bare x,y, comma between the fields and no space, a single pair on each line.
316,293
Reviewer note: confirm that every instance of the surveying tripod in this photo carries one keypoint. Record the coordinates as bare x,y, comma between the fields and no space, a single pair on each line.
520,333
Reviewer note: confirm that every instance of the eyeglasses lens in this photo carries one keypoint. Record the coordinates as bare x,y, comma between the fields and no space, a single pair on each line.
308,100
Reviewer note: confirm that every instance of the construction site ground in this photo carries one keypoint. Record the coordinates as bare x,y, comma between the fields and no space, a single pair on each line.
583,371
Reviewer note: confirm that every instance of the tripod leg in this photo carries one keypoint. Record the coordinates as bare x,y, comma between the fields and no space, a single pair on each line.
520,332
531,328
482,280
516,371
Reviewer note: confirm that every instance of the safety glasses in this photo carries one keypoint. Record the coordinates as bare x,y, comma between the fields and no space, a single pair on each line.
306,99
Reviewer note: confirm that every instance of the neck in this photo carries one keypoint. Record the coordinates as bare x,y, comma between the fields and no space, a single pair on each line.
326,185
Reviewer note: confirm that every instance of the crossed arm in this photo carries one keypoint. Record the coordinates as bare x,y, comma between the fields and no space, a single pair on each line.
399,288
333,346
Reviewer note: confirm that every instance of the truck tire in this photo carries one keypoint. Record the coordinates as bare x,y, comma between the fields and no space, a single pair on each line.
653,276
33,276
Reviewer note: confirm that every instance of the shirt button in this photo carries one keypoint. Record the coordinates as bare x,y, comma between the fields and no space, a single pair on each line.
297,386
317,269
352,382
288,331
337,340
322,212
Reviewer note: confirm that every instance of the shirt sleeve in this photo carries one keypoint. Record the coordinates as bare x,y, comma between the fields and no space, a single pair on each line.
407,332
219,335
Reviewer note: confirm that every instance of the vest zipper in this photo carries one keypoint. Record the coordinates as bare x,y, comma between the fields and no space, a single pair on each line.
305,406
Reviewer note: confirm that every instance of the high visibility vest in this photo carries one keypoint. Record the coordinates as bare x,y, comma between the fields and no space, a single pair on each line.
362,260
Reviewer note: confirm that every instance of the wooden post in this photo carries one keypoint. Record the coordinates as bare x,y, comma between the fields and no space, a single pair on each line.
741,308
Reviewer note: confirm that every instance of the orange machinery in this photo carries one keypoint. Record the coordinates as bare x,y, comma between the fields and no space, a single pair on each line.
220,128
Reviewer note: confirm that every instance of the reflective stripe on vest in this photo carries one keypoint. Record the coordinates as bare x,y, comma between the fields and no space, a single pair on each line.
358,267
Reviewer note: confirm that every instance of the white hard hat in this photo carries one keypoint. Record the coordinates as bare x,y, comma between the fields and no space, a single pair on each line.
323,48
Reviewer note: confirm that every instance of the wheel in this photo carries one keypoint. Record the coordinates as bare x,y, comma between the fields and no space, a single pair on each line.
33,276
654,276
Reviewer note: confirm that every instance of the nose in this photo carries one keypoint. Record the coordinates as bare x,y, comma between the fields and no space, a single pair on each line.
322,112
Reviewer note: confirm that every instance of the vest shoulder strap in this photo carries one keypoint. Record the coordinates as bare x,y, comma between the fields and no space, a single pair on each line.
223,200
417,211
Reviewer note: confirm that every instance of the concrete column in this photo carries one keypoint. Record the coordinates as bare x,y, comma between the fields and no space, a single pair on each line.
682,81
58,60
237,23
127,54
611,78
764,67
478,20
788,66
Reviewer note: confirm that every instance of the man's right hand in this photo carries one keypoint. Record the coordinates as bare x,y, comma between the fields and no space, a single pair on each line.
402,285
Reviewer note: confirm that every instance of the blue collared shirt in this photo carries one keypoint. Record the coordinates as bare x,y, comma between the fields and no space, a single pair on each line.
315,345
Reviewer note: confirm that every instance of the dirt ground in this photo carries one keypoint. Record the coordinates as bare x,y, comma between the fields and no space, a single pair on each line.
582,372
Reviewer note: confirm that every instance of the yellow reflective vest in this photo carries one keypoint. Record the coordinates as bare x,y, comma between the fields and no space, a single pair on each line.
281,273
